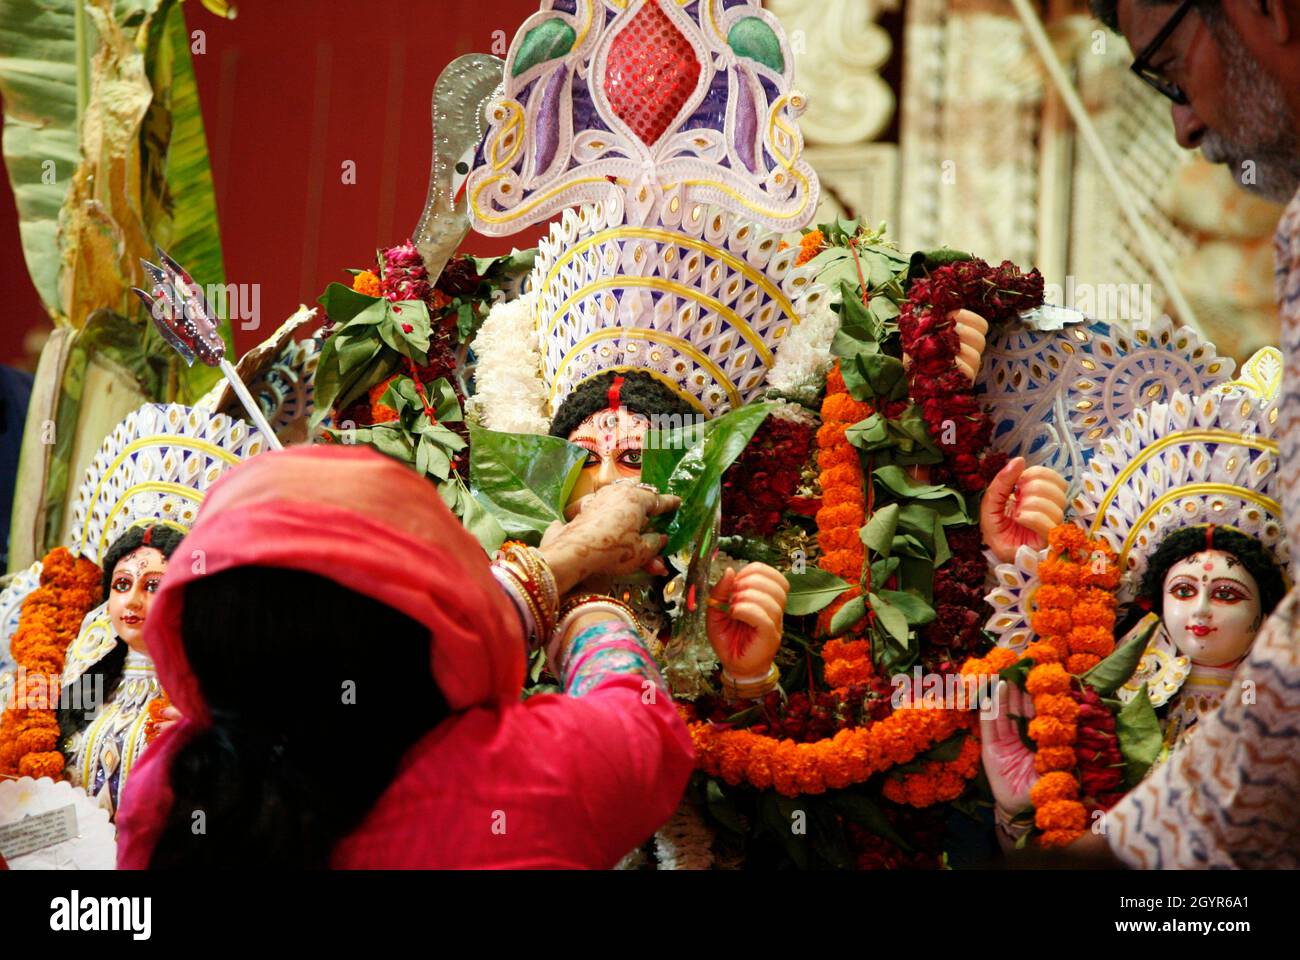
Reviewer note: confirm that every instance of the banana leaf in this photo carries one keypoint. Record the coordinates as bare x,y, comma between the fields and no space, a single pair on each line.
180,205
38,83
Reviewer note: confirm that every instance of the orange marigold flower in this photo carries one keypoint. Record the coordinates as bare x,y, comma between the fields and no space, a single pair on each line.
811,245
37,765
1059,705
1048,759
1051,732
1054,571
1047,678
367,283
1041,652
840,538
1061,815
1098,641
1050,622
1081,663
1055,595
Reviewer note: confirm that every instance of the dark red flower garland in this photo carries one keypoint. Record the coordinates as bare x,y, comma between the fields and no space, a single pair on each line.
946,399
1096,748
758,487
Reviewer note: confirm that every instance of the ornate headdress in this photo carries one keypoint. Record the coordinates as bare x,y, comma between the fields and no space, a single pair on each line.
1056,394
664,133
154,468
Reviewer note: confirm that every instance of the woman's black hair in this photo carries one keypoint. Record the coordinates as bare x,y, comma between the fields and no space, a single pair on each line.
1183,543
74,711
315,694
641,393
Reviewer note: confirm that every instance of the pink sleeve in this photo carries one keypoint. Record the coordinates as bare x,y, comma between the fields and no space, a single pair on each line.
629,750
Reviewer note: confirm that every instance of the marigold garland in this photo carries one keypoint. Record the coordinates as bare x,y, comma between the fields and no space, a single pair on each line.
812,243
851,755
844,509
155,710
1075,623
49,621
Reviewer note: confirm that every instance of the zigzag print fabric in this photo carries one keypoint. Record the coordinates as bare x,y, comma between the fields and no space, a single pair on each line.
1287,244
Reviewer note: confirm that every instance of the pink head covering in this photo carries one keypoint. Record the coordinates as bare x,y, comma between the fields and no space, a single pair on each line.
353,516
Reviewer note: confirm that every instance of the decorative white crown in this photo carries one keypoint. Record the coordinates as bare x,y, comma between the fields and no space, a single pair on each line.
156,466
1055,395
665,132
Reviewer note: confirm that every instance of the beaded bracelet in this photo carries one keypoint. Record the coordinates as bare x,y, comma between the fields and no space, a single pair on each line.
529,570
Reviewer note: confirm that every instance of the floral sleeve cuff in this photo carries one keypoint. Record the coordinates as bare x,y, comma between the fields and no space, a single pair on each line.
604,652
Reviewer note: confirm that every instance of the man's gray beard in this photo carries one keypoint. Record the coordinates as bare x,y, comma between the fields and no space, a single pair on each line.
1264,135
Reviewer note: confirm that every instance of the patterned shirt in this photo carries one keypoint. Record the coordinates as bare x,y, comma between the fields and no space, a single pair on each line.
1231,796
1288,298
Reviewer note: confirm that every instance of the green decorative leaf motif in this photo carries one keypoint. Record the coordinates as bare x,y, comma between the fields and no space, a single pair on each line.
523,479
546,41
751,37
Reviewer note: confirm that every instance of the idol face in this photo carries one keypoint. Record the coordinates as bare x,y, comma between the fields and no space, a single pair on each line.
1212,608
136,579
613,440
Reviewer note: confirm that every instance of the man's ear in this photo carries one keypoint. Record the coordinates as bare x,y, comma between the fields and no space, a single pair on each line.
1282,19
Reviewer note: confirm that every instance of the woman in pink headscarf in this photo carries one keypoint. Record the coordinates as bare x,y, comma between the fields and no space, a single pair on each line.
349,669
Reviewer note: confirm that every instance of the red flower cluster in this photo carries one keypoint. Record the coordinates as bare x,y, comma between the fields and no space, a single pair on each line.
1101,765
960,611
923,829
404,276
946,399
758,487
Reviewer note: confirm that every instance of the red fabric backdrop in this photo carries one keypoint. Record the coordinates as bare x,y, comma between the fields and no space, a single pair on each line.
291,90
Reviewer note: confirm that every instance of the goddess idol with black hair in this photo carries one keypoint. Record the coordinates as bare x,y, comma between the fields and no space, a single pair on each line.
108,681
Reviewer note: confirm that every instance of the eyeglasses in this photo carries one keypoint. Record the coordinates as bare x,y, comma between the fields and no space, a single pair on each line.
1142,65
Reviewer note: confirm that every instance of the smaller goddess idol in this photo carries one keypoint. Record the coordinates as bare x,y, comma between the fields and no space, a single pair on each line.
135,503
108,678
1177,529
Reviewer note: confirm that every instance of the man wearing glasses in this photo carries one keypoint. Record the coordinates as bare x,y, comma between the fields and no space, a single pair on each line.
1229,798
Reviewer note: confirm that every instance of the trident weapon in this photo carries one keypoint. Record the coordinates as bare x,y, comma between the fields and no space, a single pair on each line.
181,315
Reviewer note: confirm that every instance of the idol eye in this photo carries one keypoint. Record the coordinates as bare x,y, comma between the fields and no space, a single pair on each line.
122,584
153,584
632,458
1183,591
593,459
1227,595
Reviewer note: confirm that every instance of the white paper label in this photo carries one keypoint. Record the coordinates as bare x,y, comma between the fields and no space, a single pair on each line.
37,831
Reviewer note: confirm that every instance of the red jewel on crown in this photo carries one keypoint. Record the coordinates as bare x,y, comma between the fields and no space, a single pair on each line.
650,72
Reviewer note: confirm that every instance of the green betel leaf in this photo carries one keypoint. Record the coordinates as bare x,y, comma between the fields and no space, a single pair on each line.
875,377
944,499
811,591
847,615
413,343
481,522
524,479
870,435
859,332
1017,673
878,534
42,146
1138,730
697,478
890,617
344,306
1113,672
916,610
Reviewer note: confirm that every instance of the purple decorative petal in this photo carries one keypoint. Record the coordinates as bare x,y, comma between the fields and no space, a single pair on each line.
746,128
548,120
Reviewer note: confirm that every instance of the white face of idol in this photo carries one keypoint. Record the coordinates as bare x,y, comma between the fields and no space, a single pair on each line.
1212,607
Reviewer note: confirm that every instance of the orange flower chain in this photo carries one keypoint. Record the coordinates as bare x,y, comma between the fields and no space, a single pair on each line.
1075,626
856,754
50,619
844,505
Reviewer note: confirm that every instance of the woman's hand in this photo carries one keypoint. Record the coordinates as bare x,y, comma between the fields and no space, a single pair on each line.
744,618
608,535
1021,506
1008,763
